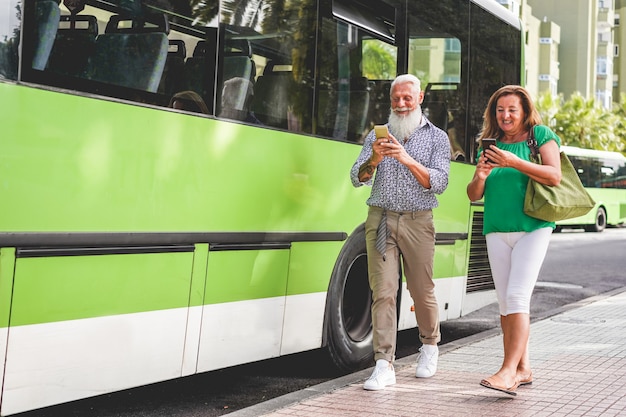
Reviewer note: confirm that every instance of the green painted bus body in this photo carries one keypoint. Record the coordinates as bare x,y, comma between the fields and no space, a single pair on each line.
136,169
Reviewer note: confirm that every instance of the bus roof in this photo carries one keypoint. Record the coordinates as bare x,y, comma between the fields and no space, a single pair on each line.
499,10
575,151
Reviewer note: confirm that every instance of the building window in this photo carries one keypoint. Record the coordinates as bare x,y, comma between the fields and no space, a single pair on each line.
615,50
604,37
601,66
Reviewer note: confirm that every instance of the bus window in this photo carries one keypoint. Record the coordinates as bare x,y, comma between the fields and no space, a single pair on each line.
142,51
437,57
494,61
356,63
273,49
9,40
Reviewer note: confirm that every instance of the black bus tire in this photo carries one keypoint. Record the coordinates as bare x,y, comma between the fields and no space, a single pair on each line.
600,223
348,317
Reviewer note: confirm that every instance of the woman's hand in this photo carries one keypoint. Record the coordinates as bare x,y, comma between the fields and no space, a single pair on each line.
476,187
500,158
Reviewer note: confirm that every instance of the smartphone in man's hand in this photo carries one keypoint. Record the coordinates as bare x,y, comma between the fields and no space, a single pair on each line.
381,132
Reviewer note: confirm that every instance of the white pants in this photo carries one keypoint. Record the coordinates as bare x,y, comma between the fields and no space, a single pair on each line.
516,259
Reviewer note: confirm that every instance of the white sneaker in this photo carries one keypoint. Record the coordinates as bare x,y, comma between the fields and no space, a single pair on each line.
383,375
427,361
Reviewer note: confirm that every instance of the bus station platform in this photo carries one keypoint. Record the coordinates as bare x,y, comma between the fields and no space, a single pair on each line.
578,357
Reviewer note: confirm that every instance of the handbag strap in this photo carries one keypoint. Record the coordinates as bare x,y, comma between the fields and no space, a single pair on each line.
532,144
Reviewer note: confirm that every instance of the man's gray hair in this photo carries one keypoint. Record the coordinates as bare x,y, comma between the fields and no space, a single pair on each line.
408,78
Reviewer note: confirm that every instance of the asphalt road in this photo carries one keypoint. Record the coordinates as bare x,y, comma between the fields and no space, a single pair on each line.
578,265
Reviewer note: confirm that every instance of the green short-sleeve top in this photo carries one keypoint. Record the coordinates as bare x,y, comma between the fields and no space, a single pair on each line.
505,189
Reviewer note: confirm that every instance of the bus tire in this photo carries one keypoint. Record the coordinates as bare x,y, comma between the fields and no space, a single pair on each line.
600,223
348,317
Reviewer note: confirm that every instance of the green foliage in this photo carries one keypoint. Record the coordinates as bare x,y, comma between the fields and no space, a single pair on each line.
584,122
379,61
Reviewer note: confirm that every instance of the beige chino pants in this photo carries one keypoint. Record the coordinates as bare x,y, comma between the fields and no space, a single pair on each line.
412,239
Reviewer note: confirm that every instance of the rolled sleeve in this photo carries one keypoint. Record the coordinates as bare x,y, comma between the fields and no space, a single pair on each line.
366,153
439,171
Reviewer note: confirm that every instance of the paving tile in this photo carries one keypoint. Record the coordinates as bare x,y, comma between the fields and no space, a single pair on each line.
579,369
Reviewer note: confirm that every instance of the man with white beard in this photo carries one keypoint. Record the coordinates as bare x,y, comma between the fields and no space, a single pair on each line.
412,163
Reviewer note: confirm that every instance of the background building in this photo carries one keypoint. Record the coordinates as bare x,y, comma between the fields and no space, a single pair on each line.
573,46
619,39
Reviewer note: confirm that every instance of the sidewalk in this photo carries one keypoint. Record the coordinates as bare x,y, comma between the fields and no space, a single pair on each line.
579,368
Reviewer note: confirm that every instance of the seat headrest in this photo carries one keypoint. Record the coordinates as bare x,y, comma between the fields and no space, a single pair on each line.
273,68
177,48
142,24
80,23
237,47
200,49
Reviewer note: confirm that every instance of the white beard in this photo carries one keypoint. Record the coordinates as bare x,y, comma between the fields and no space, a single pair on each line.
402,126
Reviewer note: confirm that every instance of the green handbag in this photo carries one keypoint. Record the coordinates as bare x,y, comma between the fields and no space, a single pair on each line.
551,203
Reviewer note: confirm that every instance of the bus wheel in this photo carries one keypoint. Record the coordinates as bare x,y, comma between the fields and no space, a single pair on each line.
348,319
600,223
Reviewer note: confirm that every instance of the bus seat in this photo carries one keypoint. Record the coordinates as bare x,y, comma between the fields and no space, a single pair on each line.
238,66
439,100
359,108
173,72
47,16
271,95
238,60
74,44
437,113
131,53
442,104
343,114
199,70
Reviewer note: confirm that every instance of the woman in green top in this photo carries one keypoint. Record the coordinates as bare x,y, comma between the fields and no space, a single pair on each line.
516,243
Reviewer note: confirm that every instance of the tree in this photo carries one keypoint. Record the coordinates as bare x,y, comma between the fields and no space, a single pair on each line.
583,122
619,110
379,61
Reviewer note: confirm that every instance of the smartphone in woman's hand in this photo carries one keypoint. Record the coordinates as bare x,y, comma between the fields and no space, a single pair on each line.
488,143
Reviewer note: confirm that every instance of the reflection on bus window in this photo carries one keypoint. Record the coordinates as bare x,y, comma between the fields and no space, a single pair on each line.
274,48
435,57
327,76
144,51
9,40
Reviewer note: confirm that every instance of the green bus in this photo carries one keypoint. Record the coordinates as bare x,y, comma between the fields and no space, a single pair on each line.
143,240
603,174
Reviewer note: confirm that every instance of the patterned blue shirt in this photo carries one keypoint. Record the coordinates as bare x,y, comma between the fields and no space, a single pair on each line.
394,186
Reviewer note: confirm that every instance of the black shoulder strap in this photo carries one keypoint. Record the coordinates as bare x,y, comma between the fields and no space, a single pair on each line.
532,143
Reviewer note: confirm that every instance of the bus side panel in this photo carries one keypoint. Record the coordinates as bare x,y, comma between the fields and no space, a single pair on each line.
196,300
306,300
244,307
162,171
451,257
7,263
86,325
